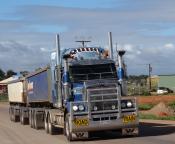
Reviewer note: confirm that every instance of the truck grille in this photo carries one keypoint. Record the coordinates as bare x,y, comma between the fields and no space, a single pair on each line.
103,98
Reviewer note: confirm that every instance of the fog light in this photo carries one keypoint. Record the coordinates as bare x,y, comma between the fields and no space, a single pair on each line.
113,107
81,107
95,108
123,105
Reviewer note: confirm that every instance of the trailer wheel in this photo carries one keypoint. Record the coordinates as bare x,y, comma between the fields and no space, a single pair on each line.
10,114
51,127
67,129
46,124
35,120
31,119
16,118
21,117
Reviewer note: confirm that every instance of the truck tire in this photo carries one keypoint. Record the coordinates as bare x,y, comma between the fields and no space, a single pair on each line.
46,127
35,120
51,127
21,117
10,114
16,118
31,119
67,129
33,125
17,115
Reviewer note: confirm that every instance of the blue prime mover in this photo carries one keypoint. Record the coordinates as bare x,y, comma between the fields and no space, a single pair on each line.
82,91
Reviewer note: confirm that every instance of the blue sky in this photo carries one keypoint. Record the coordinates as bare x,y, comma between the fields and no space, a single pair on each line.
145,28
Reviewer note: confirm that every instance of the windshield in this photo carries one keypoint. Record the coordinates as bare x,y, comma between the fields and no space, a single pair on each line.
87,55
90,72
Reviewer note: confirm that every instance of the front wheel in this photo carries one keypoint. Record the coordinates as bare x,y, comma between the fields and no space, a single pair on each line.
67,129
51,127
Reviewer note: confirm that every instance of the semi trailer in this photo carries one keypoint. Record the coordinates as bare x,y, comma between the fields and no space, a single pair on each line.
82,91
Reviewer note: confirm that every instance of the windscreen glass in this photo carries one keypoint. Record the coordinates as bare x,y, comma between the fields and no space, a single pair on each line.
89,72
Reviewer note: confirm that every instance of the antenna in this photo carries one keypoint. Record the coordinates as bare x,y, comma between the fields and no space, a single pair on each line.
83,42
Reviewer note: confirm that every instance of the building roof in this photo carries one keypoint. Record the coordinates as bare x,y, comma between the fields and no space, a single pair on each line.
168,75
6,81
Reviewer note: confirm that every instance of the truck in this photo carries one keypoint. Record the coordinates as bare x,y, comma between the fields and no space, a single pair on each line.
82,91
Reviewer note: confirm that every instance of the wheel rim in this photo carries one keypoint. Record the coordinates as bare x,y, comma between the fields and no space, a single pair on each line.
45,125
49,125
22,119
67,129
35,121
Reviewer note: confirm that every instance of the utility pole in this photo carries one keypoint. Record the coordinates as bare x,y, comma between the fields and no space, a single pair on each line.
150,70
117,55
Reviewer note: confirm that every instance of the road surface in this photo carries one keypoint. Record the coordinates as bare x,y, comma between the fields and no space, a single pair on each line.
150,133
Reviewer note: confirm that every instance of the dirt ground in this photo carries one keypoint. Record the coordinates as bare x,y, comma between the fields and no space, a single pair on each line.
156,99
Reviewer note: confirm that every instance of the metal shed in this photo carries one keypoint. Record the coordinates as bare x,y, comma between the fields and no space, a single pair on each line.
167,81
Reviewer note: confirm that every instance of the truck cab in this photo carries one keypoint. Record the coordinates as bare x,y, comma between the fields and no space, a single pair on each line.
92,88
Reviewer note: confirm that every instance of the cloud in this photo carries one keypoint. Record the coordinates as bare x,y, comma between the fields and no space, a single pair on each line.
128,47
140,27
18,56
169,46
159,57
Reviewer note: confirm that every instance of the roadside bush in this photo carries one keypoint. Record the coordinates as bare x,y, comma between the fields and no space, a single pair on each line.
146,93
145,106
3,97
172,105
147,116
153,117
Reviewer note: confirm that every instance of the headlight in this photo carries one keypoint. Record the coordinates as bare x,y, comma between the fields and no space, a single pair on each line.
129,104
75,108
81,107
123,105
113,107
95,108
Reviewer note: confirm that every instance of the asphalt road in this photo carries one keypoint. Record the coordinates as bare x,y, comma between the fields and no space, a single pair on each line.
151,132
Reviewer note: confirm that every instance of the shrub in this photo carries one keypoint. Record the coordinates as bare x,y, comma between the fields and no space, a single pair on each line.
3,97
147,116
153,117
145,106
172,105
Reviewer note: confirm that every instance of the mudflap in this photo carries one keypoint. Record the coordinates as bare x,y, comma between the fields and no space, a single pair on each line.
130,131
80,135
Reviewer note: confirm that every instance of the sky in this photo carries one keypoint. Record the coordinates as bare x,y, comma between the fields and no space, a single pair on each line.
144,28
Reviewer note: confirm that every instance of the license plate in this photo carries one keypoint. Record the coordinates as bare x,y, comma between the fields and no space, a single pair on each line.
129,118
81,122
